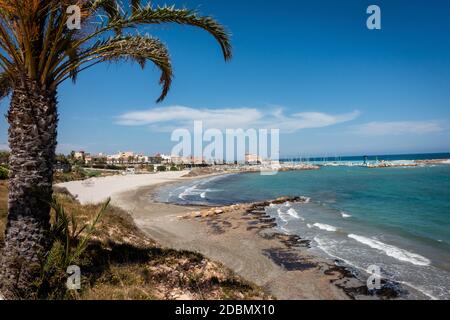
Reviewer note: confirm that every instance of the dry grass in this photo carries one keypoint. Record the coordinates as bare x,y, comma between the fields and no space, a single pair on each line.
121,262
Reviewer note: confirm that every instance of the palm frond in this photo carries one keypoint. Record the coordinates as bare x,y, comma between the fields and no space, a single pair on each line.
166,14
136,48
73,58
5,85
135,6
36,43
109,7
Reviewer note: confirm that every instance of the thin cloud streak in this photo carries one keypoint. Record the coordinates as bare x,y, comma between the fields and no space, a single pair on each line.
398,128
172,117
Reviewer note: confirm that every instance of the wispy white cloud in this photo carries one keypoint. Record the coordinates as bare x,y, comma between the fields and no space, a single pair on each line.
179,115
169,118
305,120
399,128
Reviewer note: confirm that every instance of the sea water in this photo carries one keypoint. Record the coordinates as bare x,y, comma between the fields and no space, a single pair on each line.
395,218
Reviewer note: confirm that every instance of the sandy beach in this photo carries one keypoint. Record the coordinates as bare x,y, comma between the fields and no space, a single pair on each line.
95,190
241,237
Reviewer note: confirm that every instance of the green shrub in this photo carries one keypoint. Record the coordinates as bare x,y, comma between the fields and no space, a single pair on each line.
66,230
69,242
161,168
4,157
173,168
113,167
4,173
92,173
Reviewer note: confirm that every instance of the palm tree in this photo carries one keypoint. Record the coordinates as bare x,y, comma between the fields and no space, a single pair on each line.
38,51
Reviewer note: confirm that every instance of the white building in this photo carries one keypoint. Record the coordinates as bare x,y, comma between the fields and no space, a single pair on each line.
252,159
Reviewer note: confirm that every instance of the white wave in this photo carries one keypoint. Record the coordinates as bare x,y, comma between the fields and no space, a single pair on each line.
188,192
272,205
345,215
290,213
325,227
392,251
195,190
306,199
309,226
325,245
420,289
293,213
287,204
282,215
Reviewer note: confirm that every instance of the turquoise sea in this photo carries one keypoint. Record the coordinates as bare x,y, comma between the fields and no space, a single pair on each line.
395,218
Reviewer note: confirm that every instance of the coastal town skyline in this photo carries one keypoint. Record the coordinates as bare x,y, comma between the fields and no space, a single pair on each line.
168,158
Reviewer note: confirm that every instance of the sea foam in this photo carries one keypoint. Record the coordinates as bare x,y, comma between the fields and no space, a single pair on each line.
392,251
325,227
282,215
291,213
294,214
187,192
345,215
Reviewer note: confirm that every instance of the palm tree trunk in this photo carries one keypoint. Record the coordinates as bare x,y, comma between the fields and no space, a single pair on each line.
32,121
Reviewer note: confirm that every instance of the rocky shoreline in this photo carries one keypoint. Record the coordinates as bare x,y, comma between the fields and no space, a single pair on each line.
227,169
246,240
291,254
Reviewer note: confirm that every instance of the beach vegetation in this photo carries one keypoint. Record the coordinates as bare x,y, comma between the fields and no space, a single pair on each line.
4,158
119,261
4,173
70,237
38,53
78,173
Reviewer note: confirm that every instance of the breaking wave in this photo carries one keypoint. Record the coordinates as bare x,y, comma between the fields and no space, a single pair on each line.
392,251
187,192
325,227
345,215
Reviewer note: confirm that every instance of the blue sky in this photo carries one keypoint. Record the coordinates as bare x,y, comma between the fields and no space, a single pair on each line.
311,68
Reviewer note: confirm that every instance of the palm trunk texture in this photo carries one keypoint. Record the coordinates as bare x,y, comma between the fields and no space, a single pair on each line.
33,122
